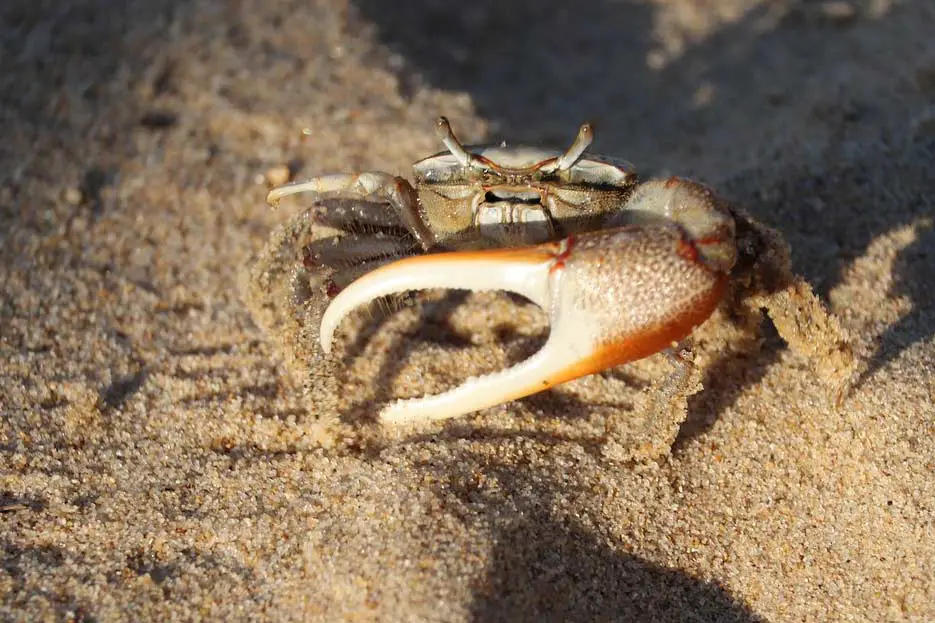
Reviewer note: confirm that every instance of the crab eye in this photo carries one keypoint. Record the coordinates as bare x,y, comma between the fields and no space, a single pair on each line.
602,173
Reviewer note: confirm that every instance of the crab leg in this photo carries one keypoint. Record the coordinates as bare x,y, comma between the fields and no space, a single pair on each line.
612,297
351,249
372,186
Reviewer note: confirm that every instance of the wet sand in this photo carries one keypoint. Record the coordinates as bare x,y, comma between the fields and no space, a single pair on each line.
162,457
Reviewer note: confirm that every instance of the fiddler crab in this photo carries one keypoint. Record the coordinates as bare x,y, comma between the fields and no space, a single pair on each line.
623,269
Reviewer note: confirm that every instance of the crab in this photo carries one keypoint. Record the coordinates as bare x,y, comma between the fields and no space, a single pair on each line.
623,268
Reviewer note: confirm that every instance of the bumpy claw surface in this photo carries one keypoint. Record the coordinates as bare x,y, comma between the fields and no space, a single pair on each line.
612,296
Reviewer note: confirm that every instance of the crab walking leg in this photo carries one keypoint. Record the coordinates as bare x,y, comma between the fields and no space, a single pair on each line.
357,215
612,297
371,186
351,249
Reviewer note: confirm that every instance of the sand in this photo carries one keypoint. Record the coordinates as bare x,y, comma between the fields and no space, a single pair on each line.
159,460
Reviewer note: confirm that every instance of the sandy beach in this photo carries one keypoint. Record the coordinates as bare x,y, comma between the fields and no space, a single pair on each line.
164,457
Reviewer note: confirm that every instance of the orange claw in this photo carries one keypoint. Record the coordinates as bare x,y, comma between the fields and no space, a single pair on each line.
613,296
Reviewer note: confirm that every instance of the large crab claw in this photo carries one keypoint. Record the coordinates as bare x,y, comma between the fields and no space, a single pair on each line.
612,296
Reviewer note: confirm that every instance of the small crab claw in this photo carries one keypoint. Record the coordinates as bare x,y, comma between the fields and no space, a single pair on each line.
612,296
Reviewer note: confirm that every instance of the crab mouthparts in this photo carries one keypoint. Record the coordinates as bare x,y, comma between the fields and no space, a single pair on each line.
528,197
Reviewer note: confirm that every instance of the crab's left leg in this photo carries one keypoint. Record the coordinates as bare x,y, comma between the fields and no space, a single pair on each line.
763,281
371,188
612,296
355,223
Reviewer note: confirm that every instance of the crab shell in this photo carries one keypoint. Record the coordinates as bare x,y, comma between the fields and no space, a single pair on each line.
519,197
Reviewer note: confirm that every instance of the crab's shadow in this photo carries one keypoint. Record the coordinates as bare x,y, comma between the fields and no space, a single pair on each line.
549,567
914,271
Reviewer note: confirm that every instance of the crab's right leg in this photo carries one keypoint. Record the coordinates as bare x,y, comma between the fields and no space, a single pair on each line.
372,187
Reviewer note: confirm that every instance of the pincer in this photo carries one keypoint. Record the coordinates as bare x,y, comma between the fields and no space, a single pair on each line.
612,296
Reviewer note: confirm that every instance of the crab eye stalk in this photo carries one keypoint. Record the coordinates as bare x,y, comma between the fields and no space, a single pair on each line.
447,136
582,141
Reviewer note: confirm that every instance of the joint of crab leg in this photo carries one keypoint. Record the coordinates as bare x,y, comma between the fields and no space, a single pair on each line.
370,186
612,297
